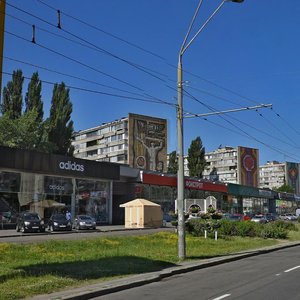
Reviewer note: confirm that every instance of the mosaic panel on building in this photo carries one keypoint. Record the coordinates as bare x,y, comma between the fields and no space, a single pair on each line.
248,166
148,143
292,176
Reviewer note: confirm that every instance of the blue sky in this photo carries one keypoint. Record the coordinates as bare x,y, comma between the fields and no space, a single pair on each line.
126,57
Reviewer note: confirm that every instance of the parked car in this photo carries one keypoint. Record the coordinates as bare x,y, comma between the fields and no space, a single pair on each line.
288,217
84,222
30,222
236,217
271,217
59,222
259,219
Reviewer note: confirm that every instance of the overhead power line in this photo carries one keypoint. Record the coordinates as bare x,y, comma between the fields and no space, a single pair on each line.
158,101
77,61
95,47
103,31
74,77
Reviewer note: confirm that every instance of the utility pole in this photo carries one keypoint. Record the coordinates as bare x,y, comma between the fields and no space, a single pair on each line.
180,174
2,24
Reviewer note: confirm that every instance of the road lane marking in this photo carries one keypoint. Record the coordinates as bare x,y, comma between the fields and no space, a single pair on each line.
222,297
292,269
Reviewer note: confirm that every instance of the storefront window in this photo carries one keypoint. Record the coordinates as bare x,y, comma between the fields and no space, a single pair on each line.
92,198
9,182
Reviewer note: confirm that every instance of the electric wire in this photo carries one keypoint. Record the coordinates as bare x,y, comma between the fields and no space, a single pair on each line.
77,61
239,129
197,76
73,76
101,93
103,31
231,91
275,149
101,50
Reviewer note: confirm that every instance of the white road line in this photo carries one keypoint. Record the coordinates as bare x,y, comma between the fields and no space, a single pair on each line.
292,269
222,297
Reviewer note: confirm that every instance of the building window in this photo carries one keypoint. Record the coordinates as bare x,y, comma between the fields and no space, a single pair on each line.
92,153
92,143
92,133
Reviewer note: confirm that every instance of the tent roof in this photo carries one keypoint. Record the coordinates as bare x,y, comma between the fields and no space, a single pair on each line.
139,202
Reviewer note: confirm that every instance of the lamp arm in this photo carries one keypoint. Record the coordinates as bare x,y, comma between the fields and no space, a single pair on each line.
202,27
190,27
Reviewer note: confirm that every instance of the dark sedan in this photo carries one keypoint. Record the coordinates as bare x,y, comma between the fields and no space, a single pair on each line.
59,222
84,222
30,222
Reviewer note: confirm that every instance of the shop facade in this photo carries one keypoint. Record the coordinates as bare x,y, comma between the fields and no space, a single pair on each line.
162,189
250,200
48,183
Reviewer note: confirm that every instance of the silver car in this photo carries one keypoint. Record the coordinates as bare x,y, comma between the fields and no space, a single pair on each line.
84,222
259,219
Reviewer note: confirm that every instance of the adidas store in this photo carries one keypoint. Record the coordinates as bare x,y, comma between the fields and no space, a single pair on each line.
48,183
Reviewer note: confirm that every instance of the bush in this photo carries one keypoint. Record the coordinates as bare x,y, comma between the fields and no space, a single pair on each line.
272,231
228,228
286,225
246,228
196,227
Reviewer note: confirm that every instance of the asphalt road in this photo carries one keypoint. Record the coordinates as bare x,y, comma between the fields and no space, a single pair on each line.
271,276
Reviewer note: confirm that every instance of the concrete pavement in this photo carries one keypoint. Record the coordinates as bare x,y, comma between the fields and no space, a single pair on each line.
107,287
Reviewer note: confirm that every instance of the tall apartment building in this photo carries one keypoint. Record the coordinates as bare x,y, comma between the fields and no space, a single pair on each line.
222,165
233,165
138,141
106,142
272,174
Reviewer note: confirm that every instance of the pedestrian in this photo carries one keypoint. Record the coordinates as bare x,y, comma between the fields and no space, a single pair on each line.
68,215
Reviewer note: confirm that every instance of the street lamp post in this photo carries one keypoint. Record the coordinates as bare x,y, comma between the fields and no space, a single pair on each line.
180,173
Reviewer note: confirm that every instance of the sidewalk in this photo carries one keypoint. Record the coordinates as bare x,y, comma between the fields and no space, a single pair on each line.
103,228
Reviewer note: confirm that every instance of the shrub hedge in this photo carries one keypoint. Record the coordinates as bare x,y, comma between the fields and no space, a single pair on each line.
276,230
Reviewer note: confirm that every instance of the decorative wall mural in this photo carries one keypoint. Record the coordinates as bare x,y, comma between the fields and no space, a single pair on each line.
248,166
148,143
292,176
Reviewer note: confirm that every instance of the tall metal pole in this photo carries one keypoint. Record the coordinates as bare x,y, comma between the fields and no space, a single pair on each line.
2,22
180,174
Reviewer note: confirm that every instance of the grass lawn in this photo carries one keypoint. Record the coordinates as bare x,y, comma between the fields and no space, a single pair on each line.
31,269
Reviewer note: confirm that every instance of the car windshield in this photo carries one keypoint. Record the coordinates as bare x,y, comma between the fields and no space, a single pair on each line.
31,217
59,217
84,218
258,217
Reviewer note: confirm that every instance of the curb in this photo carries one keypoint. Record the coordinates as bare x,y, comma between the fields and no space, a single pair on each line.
104,288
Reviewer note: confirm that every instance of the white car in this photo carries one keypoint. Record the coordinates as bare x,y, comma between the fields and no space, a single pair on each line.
288,217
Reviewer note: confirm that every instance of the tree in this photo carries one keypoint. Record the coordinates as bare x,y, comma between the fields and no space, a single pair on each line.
285,188
196,159
173,163
23,133
59,123
33,99
12,96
